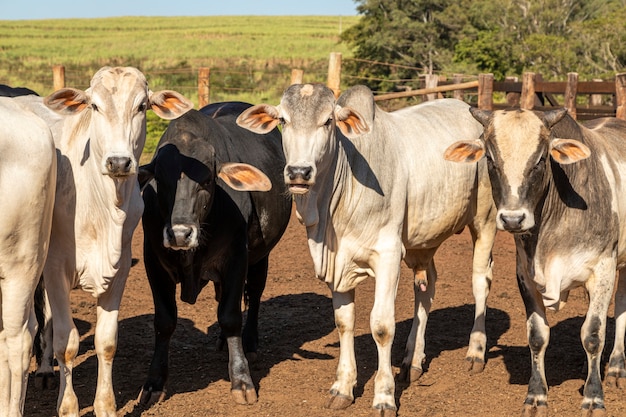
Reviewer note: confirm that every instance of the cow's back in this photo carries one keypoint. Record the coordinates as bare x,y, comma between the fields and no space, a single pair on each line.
405,151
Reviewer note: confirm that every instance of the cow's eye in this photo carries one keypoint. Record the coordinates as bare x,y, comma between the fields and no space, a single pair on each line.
94,107
329,122
281,121
142,107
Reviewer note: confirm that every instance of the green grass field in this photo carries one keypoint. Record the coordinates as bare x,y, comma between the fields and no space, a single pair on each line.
250,57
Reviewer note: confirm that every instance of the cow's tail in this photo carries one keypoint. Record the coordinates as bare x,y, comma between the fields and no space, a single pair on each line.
42,345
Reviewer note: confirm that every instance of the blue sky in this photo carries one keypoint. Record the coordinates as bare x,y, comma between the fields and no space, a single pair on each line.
54,9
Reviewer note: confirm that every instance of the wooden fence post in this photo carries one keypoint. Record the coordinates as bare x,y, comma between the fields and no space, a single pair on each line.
595,99
203,86
296,76
485,91
458,94
620,95
430,81
527,101
512,97
58,77
570,93
334,73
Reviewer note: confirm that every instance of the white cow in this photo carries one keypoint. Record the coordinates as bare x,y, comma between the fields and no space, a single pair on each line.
27,178
99,135
371,189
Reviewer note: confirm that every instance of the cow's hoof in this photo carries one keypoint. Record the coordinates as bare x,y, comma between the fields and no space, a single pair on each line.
534,411
147,398
244,396
409,374
384,410
45,381
338,401
475,366
614,380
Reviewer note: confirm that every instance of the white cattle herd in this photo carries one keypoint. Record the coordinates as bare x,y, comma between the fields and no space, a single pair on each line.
372,188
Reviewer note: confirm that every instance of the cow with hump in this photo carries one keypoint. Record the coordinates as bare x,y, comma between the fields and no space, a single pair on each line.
559,186
215,206
372,189
99,135
27,177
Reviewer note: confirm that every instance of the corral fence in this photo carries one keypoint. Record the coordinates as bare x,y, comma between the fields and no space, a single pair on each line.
583,99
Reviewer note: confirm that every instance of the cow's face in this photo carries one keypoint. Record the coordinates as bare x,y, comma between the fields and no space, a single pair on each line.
113,109
185,169
185,191
518,146
309,116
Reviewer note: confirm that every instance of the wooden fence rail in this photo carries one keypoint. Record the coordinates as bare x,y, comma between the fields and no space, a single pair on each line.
531,93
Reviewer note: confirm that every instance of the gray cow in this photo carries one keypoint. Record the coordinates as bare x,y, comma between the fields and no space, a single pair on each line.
559,189
372,189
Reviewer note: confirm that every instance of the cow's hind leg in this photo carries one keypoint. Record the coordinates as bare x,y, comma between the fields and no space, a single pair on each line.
616,373
16,337
255,284
593,335
424,281
165,315
482,275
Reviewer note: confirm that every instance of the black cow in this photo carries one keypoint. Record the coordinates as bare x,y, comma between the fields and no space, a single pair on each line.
7,91
199,226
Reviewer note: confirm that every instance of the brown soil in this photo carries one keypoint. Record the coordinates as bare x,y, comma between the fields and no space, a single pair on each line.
299,346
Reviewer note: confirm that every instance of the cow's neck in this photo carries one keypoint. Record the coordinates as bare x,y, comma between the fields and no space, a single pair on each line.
315,210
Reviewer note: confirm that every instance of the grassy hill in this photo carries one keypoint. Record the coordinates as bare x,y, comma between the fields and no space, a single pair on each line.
250,57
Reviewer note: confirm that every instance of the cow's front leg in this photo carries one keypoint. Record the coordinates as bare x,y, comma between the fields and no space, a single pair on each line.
383,326
230,321
105,341
341,393
616,373
255,284
538,334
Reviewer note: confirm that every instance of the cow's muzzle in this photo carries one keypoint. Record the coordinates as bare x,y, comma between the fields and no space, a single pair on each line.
180,237
298,178
119,166
515,221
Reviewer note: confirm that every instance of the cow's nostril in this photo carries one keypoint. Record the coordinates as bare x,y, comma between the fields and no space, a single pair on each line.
118,164
302,172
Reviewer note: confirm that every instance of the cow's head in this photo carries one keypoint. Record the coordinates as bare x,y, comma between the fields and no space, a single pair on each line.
308,115
186,169
518,145
113,109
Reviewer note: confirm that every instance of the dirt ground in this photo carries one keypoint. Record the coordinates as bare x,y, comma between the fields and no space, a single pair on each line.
299,346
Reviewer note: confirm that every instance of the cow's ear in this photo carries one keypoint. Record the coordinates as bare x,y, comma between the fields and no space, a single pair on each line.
244,177
168,104
350,122
67,101
145,174
568,151
483,116
465,151
262,118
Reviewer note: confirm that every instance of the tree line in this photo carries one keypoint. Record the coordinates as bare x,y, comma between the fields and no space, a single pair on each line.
504,37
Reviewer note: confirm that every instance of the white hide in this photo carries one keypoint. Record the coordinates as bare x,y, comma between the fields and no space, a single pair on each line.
27,178
94,221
